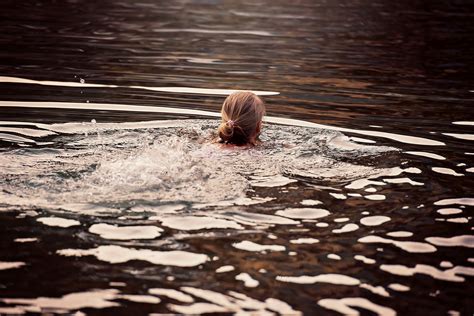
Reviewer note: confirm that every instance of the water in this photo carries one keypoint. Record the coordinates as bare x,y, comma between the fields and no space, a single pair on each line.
115,200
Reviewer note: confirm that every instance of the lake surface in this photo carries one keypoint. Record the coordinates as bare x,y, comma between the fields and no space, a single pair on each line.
115,201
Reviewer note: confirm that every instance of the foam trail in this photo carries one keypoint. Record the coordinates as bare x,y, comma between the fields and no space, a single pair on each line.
105,107
156,109
397,137
206,91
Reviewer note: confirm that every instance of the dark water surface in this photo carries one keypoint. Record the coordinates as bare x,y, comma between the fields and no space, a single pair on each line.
114,201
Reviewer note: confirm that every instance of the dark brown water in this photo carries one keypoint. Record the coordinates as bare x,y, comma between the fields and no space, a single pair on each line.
113,201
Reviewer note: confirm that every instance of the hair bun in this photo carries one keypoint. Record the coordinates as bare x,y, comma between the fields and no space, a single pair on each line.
226,130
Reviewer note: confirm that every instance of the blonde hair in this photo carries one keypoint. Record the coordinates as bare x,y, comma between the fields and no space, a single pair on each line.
242,114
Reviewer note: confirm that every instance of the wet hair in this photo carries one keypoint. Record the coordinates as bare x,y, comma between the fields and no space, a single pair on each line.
242,114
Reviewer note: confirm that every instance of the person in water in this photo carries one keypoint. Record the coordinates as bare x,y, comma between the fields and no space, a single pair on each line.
242,114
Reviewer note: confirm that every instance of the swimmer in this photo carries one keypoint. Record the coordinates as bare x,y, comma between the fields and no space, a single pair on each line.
242,114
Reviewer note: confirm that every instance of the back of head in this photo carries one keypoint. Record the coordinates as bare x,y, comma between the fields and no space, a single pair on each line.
242,114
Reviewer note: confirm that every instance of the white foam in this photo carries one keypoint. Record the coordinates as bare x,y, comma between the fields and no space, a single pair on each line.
397,137
247,279
11,265
154,109
362,183
310,202
460,136
158,209
281,307
445,275
364,259
334,256
93,299
105,107
224,269
375,197
206,91
198,309
460,201
464,123
27,131
172,168
362,140
58,222
398,287
456,241
449,211
300,241
202,60
125,232
173,294
140,298
407,170
379,290
460,220
5,79
87,209
426,154
446,171
17,310
214,297
374,220
251,246
117,284
198,222
409,246
338,196
33,239
331,278
403,180
234,302
249,218
118,254
400,233
237,201
446,264
270,181
346,228
303,213
354,194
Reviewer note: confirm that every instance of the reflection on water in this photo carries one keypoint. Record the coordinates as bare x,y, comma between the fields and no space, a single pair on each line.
359,200
83,84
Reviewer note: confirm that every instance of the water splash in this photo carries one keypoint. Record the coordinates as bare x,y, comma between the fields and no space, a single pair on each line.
116,165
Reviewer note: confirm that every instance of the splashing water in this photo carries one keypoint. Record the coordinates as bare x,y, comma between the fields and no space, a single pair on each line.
174,163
